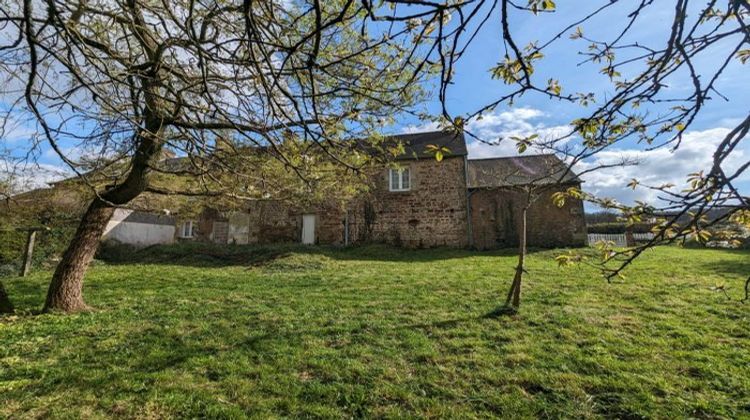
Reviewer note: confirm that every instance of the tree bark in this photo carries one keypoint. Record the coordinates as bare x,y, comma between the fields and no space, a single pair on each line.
513,299
66,289
6,307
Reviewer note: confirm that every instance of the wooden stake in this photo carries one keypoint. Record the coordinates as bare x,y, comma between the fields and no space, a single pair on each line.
26,267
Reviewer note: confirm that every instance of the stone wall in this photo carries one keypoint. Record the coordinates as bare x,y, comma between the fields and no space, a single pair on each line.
496,219
272,222
432,213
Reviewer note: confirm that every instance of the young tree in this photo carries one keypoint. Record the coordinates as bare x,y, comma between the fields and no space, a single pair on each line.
127,79
529,185
513,300
704,41
6,191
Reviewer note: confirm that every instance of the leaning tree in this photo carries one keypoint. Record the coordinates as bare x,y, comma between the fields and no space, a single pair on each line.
125,80
115,85
7,191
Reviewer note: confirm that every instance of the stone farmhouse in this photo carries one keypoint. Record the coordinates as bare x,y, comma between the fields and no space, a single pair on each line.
418,202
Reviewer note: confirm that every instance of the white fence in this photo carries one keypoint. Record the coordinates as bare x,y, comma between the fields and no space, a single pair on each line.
619,239
642,237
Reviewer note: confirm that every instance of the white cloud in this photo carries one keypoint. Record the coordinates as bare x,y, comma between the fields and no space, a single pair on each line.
490,135
655,167
494,132
14,130
18,133
28,176
658,167
413,128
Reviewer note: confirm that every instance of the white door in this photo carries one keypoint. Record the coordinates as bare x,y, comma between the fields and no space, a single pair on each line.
308,229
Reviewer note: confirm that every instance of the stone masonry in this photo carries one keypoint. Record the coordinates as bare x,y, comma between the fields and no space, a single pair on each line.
455,202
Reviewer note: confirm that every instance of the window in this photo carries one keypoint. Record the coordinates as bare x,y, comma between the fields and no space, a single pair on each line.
186,231
400,179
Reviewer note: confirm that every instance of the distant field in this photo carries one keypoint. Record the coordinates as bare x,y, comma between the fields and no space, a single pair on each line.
195,331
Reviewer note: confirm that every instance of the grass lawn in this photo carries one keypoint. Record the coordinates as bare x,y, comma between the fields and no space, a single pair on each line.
194,331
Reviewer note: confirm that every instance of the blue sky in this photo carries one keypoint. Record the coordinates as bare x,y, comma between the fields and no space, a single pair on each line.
538,114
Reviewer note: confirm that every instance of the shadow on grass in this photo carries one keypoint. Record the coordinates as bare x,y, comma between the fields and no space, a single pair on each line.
211,255
500,312
153,348
26,295
730,267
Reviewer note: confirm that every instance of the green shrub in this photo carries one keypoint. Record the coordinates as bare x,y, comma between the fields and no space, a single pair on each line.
49,245
115,252
619,227
9,270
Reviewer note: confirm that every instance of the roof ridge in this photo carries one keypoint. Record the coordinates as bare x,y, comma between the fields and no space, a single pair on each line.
502,171
515,157
420,133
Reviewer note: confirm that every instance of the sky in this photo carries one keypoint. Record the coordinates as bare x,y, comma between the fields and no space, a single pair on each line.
537,114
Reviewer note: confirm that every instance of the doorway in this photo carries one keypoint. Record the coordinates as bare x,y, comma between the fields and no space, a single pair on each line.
308,229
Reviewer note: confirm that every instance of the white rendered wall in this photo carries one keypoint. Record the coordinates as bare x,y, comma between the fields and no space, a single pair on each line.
139,234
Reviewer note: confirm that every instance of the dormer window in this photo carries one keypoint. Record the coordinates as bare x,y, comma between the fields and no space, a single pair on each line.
400,179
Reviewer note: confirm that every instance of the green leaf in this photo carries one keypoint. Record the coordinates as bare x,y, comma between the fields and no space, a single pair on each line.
554,87
545,5
743,55
558,199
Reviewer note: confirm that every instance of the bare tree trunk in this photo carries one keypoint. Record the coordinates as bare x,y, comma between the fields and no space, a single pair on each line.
5,306
513,299
66,289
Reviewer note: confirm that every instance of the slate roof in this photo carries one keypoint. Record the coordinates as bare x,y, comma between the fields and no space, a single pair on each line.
519,170
415,145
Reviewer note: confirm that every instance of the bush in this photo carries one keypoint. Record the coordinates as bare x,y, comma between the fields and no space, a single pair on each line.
619,227
49,245
115,252
9,270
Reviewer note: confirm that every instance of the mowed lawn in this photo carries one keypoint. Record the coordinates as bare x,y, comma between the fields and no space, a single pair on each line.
195,331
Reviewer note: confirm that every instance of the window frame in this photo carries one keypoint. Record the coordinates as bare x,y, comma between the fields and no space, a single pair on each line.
400,179
192,229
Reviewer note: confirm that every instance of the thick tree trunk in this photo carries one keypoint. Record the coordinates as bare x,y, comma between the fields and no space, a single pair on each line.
5,306
66,289
513,299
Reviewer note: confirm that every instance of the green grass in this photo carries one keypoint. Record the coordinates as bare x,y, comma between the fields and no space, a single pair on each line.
377,332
